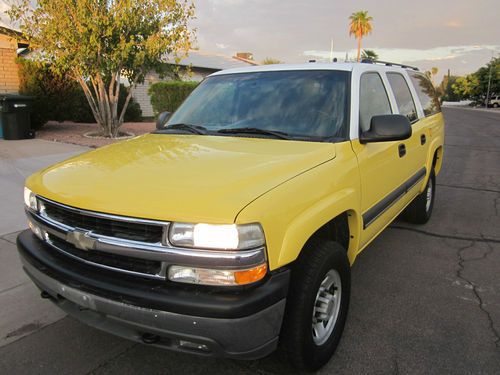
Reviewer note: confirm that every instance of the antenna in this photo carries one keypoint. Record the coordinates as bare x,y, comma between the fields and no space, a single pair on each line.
331,51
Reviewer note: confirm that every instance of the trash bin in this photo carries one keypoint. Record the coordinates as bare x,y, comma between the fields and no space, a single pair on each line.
15,116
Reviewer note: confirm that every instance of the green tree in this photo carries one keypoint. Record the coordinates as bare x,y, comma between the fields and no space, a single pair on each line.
271,61
483,76
360,25
445,90
369,54
98,42
466,87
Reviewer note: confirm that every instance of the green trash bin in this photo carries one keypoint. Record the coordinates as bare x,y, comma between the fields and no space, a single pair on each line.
15,113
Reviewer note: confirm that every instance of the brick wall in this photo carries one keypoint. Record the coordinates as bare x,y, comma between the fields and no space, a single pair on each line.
9,78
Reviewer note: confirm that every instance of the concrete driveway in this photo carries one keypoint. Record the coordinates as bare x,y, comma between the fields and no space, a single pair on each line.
425,299
21,309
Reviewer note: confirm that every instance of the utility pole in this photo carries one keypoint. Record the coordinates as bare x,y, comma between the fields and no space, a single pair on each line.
489,82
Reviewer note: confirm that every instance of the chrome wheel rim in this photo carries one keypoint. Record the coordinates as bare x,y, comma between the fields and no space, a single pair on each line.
326,307
429,196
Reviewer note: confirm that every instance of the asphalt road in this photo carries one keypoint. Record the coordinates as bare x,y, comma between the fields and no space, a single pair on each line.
425,299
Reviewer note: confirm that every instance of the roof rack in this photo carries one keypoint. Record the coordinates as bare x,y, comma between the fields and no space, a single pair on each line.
386,63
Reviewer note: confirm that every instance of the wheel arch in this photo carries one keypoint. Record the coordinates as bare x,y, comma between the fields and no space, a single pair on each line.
344,227
437,160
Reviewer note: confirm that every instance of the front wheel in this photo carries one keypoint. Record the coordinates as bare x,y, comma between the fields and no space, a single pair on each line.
317,305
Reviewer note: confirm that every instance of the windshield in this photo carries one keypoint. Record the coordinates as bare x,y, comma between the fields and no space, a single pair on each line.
296,104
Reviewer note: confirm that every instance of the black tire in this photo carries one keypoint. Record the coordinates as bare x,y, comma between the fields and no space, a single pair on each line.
297,343
419,211
495,105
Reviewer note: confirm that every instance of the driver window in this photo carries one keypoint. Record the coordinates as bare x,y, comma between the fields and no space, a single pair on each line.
373,99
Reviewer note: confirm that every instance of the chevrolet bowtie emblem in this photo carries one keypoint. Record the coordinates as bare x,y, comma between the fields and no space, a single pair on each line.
81,240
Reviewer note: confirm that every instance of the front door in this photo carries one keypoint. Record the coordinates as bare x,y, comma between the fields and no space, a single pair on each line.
385,167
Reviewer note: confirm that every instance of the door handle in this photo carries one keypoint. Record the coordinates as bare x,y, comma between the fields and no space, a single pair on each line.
423,139
402,150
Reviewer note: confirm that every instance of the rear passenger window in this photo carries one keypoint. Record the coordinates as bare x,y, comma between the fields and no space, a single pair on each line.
403,96
426,93
373,99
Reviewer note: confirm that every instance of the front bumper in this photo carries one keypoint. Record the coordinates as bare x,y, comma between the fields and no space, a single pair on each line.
242,325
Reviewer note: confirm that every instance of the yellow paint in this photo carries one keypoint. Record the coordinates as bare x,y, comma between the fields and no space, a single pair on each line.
178,177
292,188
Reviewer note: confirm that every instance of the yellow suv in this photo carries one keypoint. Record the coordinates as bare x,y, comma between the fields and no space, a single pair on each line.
231,229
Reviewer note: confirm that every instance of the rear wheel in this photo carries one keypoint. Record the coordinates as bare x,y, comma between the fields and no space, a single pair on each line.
420,210
317,305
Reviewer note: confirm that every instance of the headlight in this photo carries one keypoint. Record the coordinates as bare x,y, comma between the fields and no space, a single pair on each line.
217,236
205,276
30,199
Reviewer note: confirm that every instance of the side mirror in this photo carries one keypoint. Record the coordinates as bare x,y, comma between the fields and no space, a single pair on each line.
162,120
385,128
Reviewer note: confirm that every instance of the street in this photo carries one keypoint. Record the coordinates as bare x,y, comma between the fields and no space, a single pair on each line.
425,299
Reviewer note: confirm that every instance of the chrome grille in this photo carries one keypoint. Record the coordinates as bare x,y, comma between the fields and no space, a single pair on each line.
114,261
104,226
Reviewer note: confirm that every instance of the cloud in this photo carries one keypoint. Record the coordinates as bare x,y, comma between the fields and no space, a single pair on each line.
453,24
222,46
409,55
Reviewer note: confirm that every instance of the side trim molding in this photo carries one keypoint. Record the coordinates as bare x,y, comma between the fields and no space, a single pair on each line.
373,213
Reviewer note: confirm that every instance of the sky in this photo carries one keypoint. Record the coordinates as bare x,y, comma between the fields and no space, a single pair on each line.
460,35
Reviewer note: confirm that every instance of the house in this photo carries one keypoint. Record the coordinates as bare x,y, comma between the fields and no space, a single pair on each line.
195,67
10,42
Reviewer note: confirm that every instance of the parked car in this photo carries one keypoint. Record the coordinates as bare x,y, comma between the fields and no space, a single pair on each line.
231,229
494,101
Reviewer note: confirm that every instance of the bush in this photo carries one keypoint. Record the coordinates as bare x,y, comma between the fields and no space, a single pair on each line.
59,98
168,96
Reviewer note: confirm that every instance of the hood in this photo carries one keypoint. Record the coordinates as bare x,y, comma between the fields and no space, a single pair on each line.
178,177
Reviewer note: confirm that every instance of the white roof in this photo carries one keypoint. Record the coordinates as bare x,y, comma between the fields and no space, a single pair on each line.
311,66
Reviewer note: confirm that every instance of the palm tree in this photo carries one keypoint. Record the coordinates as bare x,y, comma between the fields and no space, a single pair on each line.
369,54
360,26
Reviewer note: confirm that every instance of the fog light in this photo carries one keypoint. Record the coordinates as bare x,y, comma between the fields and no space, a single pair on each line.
205,276
40,233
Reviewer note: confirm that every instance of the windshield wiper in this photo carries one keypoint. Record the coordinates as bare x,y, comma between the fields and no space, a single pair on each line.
196,129
274,133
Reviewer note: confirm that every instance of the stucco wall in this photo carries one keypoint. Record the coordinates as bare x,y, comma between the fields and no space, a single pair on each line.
9,78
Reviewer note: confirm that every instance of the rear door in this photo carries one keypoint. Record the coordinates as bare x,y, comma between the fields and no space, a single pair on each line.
417,146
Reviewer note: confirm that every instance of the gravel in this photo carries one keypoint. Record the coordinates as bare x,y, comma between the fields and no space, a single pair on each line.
72,132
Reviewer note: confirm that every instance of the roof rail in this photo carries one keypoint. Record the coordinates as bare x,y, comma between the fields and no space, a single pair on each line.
387,63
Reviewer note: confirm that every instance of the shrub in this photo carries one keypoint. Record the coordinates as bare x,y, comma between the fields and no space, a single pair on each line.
168,96
59,98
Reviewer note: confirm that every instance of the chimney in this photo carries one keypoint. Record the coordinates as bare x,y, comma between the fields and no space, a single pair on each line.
245,55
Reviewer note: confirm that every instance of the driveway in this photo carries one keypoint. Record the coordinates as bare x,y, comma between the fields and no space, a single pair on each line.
22,311
425,299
